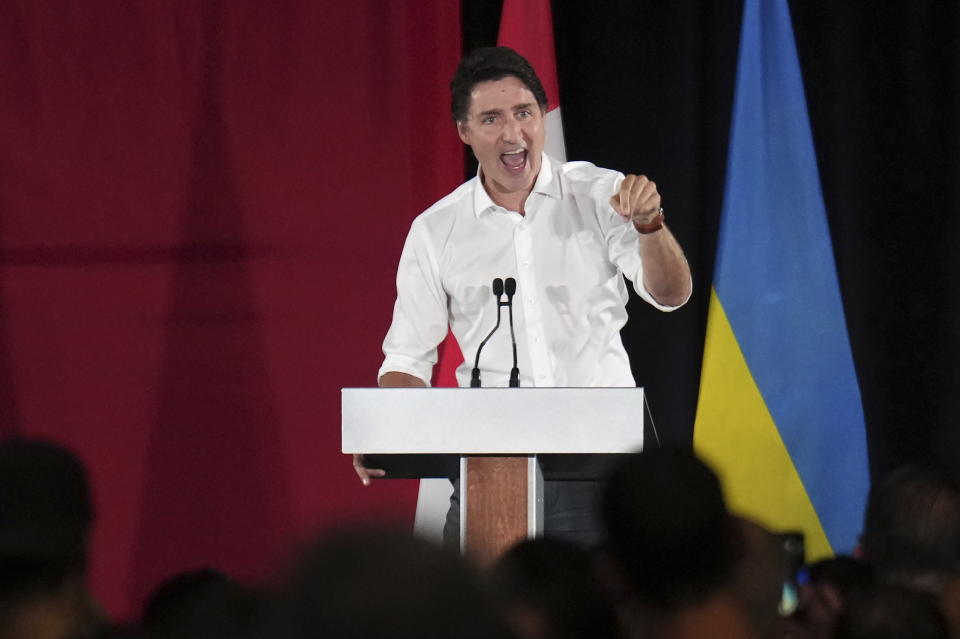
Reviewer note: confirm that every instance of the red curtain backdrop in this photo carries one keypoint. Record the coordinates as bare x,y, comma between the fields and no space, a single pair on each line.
202,205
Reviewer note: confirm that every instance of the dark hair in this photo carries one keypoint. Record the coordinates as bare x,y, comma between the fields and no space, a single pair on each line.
370,583
45,516
668,527
202,603
886,612
556,579
912,526
489,64
846,574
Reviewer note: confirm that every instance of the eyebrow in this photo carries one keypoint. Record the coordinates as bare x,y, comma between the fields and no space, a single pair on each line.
516,107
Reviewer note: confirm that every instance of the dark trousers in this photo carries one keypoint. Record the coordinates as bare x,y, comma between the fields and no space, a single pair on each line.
570,512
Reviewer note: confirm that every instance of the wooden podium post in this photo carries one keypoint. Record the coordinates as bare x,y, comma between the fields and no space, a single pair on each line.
507,440
501,505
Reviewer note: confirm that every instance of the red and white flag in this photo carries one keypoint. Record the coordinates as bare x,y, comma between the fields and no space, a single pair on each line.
526,26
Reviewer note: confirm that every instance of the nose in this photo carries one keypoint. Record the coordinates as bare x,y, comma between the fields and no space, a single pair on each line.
512,131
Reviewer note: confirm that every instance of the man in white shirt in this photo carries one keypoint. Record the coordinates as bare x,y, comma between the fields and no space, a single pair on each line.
567,233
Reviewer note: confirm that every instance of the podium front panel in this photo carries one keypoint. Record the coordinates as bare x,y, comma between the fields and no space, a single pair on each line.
491,421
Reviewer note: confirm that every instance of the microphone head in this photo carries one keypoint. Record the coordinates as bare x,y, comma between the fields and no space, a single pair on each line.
510,286
498,287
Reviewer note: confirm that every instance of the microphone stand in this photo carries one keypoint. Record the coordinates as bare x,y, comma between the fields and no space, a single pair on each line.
511,289
498,293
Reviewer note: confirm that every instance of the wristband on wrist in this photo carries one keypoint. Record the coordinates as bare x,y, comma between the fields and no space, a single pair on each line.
652,226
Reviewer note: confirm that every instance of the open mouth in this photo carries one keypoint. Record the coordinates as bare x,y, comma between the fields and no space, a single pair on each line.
515,161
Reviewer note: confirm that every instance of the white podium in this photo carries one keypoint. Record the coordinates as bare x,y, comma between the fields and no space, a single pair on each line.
501,441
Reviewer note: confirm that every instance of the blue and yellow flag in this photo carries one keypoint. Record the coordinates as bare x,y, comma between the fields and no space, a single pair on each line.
779,414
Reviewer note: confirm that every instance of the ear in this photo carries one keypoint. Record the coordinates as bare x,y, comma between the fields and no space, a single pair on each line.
463,130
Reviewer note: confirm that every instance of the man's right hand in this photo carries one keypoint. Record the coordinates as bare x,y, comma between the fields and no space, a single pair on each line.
366,474
391,379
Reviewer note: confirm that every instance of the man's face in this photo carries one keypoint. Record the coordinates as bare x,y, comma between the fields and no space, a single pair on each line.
504,127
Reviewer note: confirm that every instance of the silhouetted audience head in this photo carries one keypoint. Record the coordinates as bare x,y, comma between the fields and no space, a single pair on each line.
374,583
911,532
45,519
45,510
824,591
202,603
548,589
844,573
668,527
891,612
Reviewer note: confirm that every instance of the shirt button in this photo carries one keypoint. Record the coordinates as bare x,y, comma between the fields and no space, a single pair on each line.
536,338
531,300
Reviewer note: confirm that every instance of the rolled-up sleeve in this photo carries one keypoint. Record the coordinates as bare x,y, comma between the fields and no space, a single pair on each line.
420,319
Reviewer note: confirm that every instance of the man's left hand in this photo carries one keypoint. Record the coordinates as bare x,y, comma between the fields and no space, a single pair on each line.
637,200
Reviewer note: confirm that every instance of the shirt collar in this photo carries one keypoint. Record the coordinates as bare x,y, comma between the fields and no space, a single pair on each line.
547,184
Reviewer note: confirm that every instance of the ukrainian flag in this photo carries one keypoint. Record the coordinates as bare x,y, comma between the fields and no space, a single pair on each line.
779,414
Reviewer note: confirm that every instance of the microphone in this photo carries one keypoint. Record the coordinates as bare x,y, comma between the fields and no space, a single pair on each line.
511,289
498,293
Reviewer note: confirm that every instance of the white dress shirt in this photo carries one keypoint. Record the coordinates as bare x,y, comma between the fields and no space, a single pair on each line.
568,254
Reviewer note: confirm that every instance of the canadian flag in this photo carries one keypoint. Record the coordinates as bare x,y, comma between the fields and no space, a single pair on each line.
526,26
